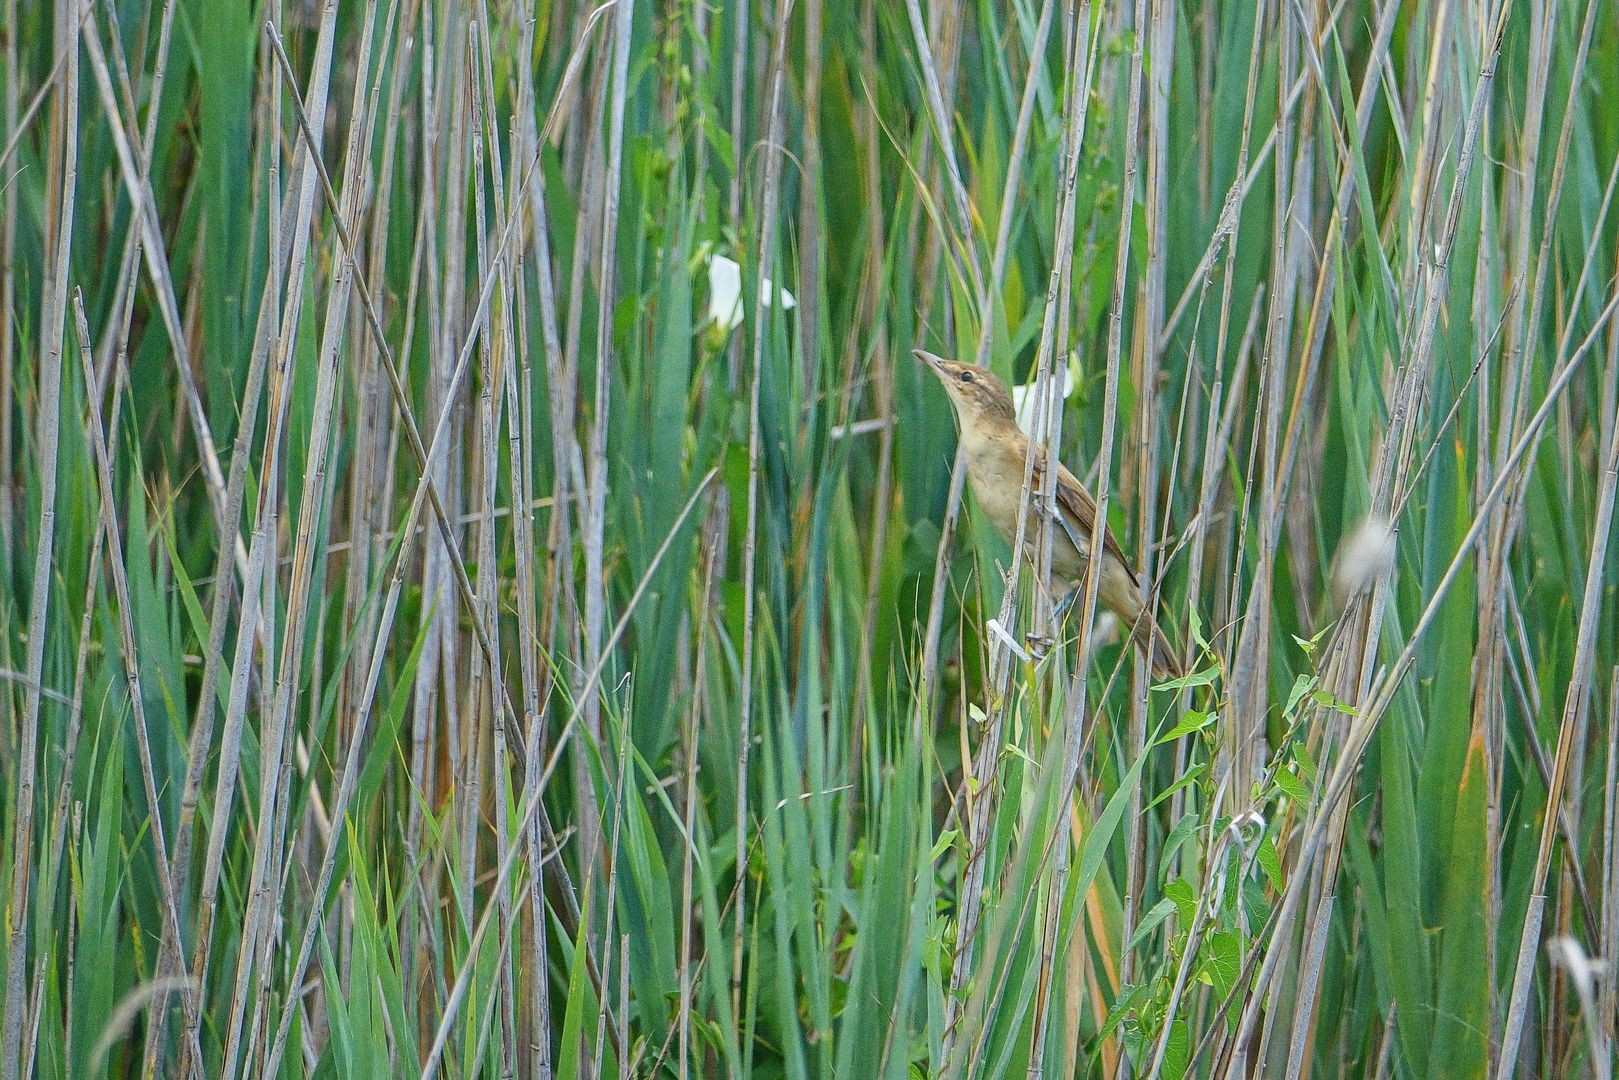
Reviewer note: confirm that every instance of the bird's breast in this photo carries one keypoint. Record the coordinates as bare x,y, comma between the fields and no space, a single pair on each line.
996,472
997,482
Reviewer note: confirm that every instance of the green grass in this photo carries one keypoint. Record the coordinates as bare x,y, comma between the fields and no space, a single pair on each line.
432,644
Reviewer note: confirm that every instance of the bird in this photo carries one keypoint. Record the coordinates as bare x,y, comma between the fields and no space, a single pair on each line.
996,449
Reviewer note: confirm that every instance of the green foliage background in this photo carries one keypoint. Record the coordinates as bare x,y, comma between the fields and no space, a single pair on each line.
662,733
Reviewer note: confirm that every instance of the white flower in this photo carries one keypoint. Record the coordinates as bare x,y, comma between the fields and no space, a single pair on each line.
725,293
1025,400
1364,558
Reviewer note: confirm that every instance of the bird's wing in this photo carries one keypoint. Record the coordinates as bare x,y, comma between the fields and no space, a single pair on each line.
1076,513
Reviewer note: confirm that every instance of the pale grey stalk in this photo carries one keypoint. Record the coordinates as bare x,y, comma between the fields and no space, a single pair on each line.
532,807
1342,220
427,459
47,439
275,723
8,285
509,268
458,721
168,958
468,466
1244,731
139,189
588,210
256,585
63,812
1339,233
1385,1052
1365,724
1231,209
1523,182
606,358
943,131
565,449
35,103
373,434
767,239
426,291
484,704
120,315
1076,709
307,544
1226,232
980,808
1054,335
1576,705
1149,320
714,536
1389,475
1608,996
1495,573
444,520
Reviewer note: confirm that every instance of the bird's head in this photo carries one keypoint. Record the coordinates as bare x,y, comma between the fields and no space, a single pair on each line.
974,391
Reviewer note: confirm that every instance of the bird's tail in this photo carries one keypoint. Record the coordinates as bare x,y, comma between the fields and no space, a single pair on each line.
1150,638
1120,593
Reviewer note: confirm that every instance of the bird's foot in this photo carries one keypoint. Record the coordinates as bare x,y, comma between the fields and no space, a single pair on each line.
1038,645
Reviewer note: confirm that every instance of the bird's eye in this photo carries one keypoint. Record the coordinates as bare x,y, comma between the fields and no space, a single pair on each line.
966,376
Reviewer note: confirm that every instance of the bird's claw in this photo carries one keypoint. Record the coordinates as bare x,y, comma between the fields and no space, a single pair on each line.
1039,645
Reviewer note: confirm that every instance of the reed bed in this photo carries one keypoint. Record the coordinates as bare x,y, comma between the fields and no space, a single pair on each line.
486,591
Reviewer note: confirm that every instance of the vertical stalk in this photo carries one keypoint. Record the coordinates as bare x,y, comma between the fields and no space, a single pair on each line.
47,440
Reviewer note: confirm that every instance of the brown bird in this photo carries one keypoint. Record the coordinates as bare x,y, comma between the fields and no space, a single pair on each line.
996,449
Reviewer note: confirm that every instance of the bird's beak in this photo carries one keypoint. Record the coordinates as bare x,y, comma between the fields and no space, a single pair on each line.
928,358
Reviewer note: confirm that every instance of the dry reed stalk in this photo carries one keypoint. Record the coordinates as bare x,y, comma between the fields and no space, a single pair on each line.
965,262
153,253
595,506
8,288
882,378
767,239
534,808
1157,24
1218,438
427,458
63,812
169,947
47,440
1076,708
979,809
713,527
1383,692
1323,898
275,723
1054,337
1396,448
1608,996
1571,733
